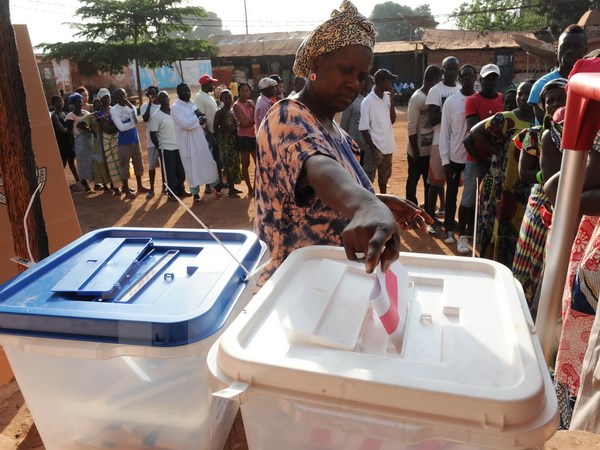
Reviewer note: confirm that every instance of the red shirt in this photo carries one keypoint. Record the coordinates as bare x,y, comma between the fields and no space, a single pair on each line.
477,105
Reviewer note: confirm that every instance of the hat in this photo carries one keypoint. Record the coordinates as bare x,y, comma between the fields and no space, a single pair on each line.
384,74
276,78
266,82
489,69
557,83
75,96
207,79
103,93
345,27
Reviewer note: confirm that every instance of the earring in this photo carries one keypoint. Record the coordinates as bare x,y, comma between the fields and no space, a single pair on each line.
312,76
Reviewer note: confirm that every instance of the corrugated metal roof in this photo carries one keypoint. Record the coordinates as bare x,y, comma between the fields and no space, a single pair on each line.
287,43
461,40
396,47
590,18
260,44
283,44
535,46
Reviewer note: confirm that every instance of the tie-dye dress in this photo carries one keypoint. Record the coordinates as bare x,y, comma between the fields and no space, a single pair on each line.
289,217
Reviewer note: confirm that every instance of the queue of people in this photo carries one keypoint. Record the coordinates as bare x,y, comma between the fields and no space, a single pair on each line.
508,149
103,149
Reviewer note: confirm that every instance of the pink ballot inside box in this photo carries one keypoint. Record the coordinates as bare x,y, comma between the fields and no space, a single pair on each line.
390,296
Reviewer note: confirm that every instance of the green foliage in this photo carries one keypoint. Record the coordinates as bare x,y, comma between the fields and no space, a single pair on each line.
391,27
120,31
498,15
560,17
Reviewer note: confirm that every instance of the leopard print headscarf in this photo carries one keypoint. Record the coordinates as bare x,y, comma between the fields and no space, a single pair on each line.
346,27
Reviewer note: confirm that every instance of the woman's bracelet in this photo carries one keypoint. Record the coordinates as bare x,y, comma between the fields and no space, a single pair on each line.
539,177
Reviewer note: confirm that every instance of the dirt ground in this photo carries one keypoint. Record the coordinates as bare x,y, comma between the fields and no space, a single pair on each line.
99,210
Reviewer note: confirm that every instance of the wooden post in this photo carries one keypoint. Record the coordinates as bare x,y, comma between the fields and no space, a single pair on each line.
17,161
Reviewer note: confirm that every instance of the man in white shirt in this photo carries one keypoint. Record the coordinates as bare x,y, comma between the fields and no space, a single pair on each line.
162,134
435,100
453,154
207,105
351,118
200,167
147,110
420,135
125,119
377,115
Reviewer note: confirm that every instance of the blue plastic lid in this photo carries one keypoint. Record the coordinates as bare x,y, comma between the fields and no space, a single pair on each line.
144,286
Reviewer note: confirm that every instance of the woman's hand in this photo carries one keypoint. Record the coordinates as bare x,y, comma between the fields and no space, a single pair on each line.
408,215
372,236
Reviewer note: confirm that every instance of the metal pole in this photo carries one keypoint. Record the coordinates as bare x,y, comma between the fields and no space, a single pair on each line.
246,16
580,128
564,229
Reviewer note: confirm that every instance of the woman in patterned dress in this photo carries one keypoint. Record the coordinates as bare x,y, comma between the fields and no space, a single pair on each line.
99,167
580,295
529,253
503,195
310,188
109,140
225,126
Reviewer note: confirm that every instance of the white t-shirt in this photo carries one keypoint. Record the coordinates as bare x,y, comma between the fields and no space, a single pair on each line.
453,130
375,117
207,105
417,118
162,124
153,108
437,95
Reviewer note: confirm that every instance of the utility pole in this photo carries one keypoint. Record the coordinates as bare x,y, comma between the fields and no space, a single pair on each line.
17,160
246,16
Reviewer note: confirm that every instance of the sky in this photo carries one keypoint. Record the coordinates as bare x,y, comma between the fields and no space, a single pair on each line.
46,18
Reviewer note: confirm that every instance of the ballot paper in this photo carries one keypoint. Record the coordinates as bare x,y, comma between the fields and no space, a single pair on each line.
389,297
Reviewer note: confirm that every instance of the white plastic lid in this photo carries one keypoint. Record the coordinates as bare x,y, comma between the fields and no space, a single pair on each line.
469,352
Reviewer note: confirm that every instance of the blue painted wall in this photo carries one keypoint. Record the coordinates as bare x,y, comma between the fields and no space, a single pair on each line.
170,77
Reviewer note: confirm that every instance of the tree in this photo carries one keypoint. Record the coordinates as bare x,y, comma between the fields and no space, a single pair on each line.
391,27
118,32
17,160
499,15
562,13
203,28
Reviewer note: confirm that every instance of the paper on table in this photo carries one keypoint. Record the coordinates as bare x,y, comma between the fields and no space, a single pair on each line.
390,301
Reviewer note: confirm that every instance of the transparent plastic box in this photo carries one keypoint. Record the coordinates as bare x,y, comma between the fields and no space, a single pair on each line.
318,372
108,337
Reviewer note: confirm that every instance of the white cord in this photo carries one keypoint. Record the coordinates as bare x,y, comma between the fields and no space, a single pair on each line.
476,212
37,189
249,274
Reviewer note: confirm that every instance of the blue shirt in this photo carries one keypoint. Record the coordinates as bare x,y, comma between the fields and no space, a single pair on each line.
536,89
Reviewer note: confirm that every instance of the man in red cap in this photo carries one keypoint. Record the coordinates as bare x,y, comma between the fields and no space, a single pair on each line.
207,105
